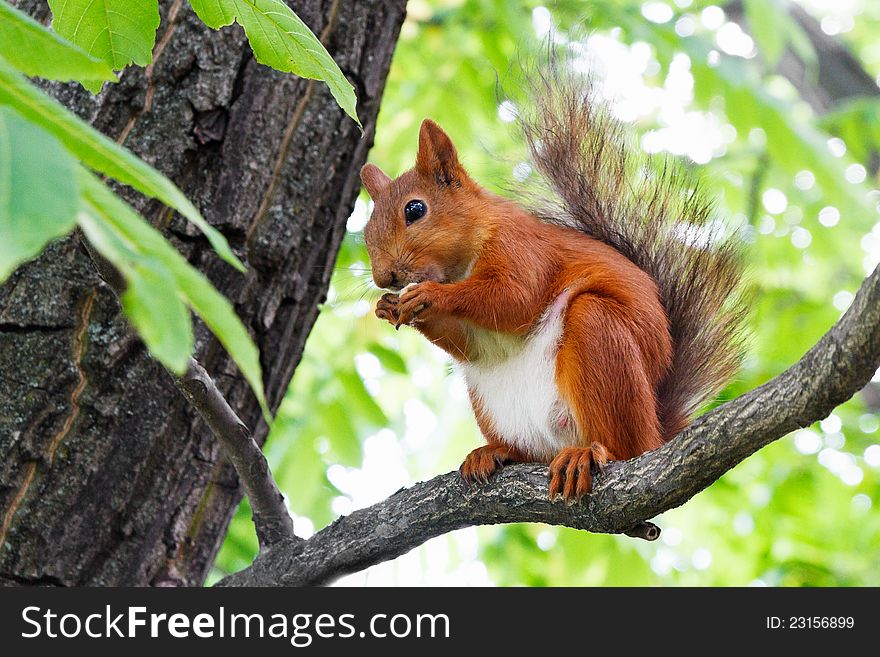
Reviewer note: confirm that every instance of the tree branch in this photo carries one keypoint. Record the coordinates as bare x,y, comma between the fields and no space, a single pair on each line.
840,74
624,495
271,518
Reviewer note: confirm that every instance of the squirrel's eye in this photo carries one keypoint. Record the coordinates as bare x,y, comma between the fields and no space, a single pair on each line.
415,210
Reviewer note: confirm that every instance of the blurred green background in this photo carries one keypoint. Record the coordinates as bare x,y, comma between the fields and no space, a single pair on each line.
371,409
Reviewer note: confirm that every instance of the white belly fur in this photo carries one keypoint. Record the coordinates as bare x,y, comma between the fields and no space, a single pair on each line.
515,381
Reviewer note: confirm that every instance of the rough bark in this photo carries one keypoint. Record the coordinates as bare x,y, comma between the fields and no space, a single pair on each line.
623,497
107,475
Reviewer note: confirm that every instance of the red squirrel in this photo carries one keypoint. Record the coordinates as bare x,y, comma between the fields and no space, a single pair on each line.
588,330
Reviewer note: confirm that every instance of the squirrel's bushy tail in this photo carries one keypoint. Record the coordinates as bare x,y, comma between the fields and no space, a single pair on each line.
655,215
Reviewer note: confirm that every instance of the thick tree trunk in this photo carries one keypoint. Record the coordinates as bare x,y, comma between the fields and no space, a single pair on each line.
106,475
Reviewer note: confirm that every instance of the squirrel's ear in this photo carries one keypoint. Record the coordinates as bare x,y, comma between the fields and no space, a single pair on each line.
374,180
437,156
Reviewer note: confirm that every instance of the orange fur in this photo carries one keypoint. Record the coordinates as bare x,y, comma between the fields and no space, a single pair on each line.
482,263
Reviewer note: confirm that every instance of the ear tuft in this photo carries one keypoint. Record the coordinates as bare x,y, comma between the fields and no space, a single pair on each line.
375,180
437,156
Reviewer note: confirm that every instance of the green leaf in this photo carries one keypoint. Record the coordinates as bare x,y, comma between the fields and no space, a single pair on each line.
390,359
159,315
857,122
36,51
118,32
774,29
196,291
151,300
345,448
281,40
102,154
38,191
362,402
219,315
768,24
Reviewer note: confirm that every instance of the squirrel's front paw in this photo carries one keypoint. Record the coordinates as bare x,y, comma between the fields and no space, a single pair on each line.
416,303
386,308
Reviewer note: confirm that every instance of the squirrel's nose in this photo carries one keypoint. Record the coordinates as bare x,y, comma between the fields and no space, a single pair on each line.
388,279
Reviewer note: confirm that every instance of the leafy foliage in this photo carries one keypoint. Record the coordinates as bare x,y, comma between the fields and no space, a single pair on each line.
802,511
148,262
37,190
774,30
151,299
281,40
35,51
157,274
43,193
118,32
103,154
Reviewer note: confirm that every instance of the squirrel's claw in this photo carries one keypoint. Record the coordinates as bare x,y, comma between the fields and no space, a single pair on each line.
480,464
386,308
412,303
484,461
570,473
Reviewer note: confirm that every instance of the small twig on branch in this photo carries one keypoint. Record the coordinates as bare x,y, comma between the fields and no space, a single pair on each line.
624,495
271,518
272,521
644,529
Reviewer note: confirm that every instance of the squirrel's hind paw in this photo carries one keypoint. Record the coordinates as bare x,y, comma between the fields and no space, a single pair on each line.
482,462
570,473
